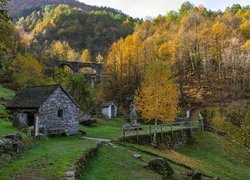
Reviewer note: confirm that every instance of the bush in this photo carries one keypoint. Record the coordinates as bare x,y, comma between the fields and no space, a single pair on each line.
224,119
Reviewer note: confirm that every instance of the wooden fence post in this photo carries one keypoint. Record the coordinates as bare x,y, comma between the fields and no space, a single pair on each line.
181,131
137,137
172,135
150,134
191,131
161,133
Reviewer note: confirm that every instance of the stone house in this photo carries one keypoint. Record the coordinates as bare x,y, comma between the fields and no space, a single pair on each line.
46,109
109,109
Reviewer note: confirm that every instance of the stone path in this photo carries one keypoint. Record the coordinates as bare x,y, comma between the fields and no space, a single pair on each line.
97,139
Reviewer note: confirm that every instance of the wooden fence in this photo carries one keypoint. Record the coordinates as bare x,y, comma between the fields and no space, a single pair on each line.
164,128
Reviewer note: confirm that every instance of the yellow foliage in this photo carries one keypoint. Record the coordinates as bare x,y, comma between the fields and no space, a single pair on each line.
158,96
62,51
245,29
85,56
167,52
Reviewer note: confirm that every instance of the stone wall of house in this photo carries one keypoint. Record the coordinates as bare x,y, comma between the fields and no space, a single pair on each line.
48,113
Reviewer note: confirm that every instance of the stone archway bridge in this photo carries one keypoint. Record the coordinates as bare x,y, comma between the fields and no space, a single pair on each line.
77,66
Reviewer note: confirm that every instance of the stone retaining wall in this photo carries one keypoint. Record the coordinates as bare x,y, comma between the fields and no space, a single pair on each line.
81,163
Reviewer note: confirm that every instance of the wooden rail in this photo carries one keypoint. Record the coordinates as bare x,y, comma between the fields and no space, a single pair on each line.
163,128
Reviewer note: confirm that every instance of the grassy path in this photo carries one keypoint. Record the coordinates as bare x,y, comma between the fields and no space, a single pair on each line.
116,162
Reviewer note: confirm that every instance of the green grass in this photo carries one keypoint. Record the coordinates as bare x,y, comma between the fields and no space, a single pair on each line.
5,125
225,159
211,154
117,162
48,158
6,93
105,128
2,108
6,128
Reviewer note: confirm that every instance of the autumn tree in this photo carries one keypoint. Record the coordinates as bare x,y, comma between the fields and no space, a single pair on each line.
61,51
85,56
27,71
157,97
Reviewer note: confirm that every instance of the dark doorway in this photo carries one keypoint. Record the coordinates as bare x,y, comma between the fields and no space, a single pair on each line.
30,119
113,111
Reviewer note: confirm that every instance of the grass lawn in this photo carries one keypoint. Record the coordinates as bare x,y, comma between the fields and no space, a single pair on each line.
112,163
226,159
6,128
116,162
6,93
48,158
105,128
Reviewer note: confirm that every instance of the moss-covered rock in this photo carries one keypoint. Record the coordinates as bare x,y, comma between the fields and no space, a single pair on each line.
161,166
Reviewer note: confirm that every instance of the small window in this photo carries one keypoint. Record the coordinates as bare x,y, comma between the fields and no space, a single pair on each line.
60,113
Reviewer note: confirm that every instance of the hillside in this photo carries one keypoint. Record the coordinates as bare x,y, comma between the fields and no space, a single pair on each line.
40,23
5,125
208,52
211,154
222,157
22,8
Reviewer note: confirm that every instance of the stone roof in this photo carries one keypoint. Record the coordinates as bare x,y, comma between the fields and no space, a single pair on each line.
109,103
34,97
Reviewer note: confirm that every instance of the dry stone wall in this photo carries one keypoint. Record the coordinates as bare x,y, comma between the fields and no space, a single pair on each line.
49,118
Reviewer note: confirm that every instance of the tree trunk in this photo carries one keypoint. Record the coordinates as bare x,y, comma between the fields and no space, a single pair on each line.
154,138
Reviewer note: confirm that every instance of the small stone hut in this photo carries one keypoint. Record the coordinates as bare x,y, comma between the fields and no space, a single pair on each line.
46,109
109,109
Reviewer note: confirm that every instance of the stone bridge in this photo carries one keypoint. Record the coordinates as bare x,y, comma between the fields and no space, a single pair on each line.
77,66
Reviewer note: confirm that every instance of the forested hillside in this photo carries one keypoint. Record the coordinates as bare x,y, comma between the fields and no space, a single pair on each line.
22,8
79,27
208,52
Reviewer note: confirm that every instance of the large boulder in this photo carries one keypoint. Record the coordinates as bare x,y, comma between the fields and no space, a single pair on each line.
6,145
161,166
11,144
86,120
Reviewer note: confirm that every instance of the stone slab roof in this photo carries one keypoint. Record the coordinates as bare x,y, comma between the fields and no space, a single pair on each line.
109,103
34,97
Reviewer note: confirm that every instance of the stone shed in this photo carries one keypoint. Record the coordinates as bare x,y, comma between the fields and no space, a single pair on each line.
46,109
109,109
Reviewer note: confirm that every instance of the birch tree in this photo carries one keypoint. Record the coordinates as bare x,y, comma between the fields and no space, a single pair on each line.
157,97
